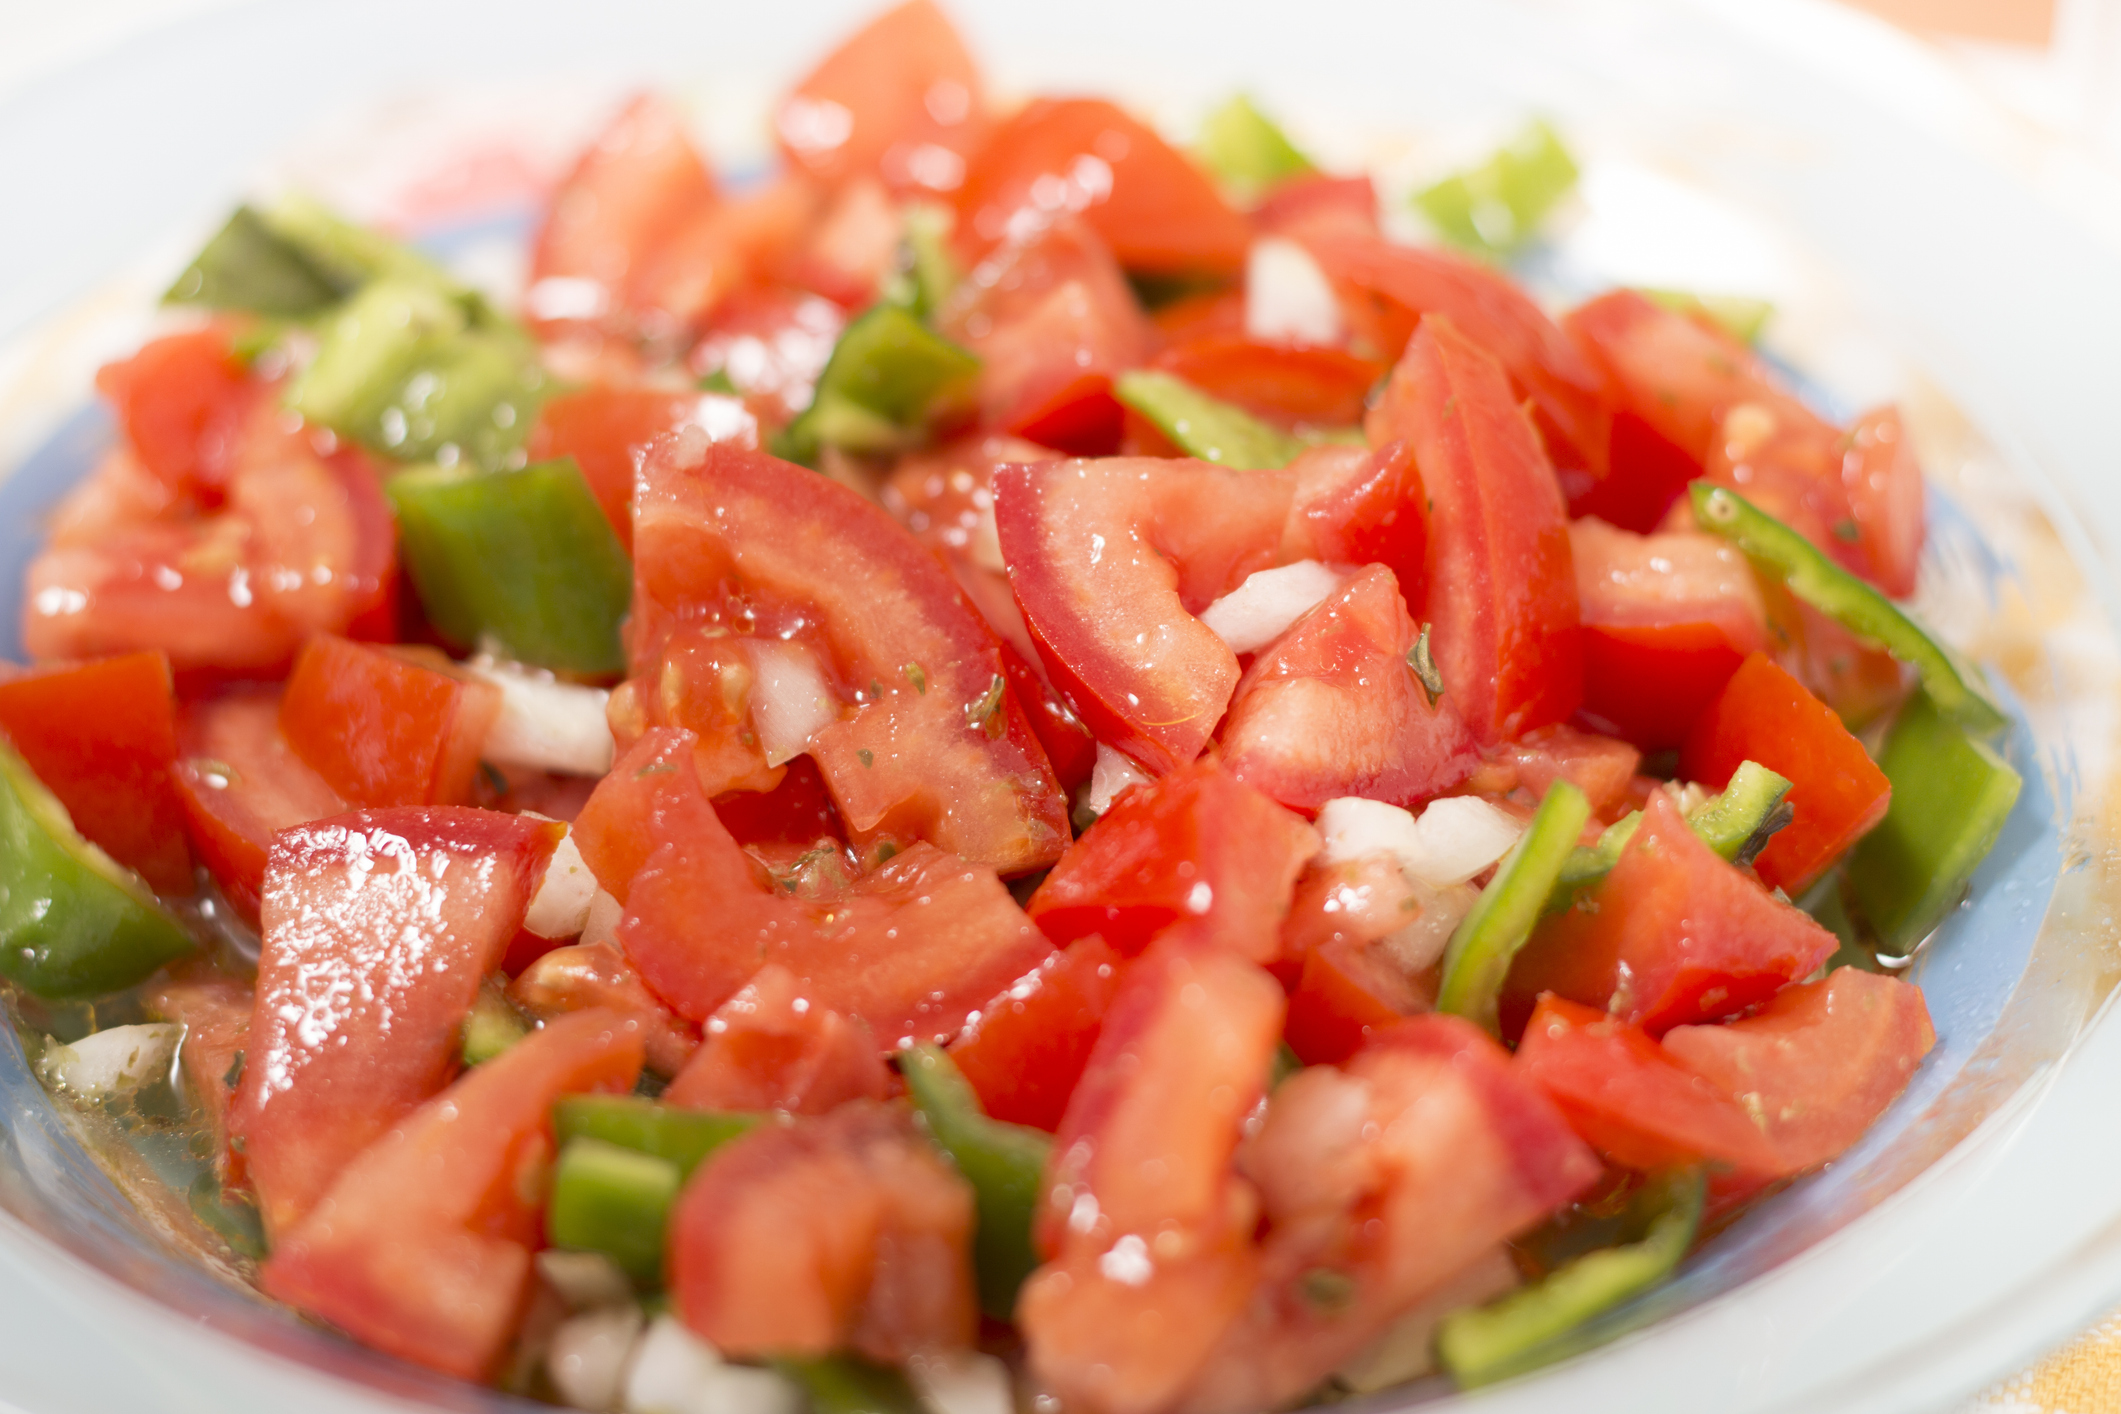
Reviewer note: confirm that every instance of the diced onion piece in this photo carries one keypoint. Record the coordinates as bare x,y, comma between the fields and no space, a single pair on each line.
584,1280
676,1372
602,923
1407,1348
587,1357
1114,772
790,701
545,724
747,1389
1417,946
1355,828
1287,296
1261,609
560,907
114,1059
962,1382
1451,841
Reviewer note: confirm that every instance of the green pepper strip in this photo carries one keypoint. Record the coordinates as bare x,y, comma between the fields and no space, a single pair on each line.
927,273
348,255
888,376
1206,427
249,266
1525,1328
1740,316
1494,208
847,1384
684,1137
1951,795
1957,688
522,560
1247,151
493,1026
73,921
615,1201
1479,956
1736,824
1004,1163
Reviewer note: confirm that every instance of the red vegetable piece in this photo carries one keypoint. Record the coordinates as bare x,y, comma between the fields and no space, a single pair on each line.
769,1048
604,428
378,926
1155,209
1362,506
1197,847
846,1231
1602,768
798,811
1026,1049
1332,708
1630,1100
1110,560
1068,743
1346,993
1817,1064
586,975
1288,385
1838,792
1673,935
1788,462
1356,901
102,737
383,728
1318,204
1502,590
183,400
771,342
651,796
215,1013
422,1246
1212,314
1884,485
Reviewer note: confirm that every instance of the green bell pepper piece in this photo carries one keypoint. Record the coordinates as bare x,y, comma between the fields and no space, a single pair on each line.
1205,427
348,255
493,1026
1494,208
1480,952
888,377
927,272
848,1384
1951,795
1004,1163
73,921
1526,1328
1740,316
1958,688
1736,824
249,266
1247,151
685,1138
615,1201
522,560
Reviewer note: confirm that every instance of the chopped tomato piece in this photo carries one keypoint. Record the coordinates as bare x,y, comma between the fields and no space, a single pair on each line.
1155,209
1666,620
703,681
901,98
1788,462
1673,935
1838,792
1884,485
651,796
1212,314
769,1048
799,811
422,1247
1602,768
771,343
1317,204
102,737
1817,1064
1358,506
378,927
183,400
848,1231
585,975
1288,385
384,728
1198,846
1026,1049
215,1012
1354,900
1346,993
1069,745
1629,1099
1502,589
604,429
1111,560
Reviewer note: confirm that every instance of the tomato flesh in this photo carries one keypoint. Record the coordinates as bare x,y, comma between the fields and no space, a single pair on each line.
1319,204
215,1013
1025,1051
1358,506
1885,492
604,428
382,728
1289,385
768,1048
183,400
1602,767
597,975
1345,994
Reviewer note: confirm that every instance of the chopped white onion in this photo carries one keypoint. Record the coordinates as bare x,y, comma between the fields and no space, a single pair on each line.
1416,946
602,923
1355,828
545,724
587,1356
560,907
962,1382
1261,609
1451,841
675,1372
584,1280
1114,772
1407,1348
1287,296
114,1059
790,701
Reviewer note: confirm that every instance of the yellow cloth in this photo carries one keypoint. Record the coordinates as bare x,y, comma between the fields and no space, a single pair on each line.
2083,1377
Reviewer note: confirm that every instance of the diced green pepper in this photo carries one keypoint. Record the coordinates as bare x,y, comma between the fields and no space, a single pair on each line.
1205,427
1951,795
1526,1328
1737,315
684,1137
1736,824
1494,208
927,272
1479,956
347,255
493,1026
615,1201
888,376
1957,688
521,561
1004,1163
1247,151
848,1384
73,922
249,266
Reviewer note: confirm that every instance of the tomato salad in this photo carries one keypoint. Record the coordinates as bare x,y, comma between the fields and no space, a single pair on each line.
1015,759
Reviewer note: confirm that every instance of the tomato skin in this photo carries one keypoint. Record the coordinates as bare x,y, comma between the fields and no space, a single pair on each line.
1332,709
1026,1049
378,926
1345,995
422,1246
585,975
102,736
1629,1099
1502,588
603,428
846,1231
767,1048
1819,1063
1838,792
1197,847
382,728
1673,935
1103,552
183,400
1288,385
1156,210
1360,506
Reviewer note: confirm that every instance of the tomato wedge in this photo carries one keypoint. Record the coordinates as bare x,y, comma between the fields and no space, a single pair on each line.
183,400
768,1048
1502,589
1289,385
1319,204
1885,491
1345,994
1602,767
382,727
1361,506
1026,1049
605,429
597,975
